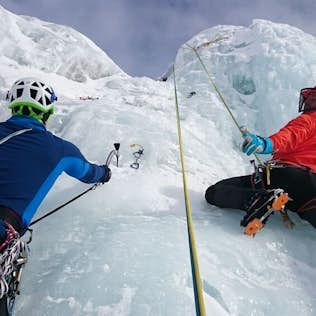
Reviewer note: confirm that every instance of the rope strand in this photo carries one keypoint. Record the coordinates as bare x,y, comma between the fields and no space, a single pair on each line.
197,285
220,95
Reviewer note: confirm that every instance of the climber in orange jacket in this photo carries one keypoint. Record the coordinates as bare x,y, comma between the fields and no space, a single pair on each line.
292,168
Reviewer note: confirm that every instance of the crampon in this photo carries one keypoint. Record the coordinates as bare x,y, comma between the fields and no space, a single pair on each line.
261,207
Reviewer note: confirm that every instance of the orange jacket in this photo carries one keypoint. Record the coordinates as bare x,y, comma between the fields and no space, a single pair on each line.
295,143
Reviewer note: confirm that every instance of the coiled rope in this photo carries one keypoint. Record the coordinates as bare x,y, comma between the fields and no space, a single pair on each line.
14,247
197,285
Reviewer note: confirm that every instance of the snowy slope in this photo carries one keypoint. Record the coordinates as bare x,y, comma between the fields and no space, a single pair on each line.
123,249
30,42
261,69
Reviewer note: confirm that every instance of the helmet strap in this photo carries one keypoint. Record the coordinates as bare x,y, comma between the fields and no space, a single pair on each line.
27,110
45,117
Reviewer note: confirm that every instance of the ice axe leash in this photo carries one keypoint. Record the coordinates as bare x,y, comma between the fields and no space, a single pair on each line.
113,152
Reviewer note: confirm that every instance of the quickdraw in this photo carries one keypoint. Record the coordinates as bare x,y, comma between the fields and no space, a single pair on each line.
137,154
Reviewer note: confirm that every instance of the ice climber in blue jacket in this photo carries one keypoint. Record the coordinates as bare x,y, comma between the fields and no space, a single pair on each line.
31,158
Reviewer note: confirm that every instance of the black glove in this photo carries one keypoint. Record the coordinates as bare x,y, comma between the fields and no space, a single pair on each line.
107,174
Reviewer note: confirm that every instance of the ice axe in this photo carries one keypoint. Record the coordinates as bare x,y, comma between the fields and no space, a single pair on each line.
113,152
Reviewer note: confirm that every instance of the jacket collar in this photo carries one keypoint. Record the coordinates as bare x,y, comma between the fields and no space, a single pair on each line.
27,122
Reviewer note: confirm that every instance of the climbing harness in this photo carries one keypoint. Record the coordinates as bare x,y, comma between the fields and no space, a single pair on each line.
262,205
266,167
109,158
197,285
257,175
137,154
259,170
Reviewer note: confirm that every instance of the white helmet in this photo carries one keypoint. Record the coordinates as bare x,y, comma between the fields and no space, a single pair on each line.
31,97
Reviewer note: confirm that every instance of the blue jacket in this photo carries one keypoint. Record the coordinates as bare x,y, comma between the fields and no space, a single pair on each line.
31,162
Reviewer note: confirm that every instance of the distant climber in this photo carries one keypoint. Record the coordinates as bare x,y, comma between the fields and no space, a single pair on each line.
85,98
292,167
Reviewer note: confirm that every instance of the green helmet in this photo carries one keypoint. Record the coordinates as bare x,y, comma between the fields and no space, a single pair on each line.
33,98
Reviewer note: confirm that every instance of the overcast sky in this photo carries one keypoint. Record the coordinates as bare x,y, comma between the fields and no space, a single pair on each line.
142,36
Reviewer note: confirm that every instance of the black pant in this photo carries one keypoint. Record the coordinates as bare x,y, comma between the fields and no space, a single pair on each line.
299,183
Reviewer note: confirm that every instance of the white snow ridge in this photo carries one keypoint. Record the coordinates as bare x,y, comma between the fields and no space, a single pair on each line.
123,249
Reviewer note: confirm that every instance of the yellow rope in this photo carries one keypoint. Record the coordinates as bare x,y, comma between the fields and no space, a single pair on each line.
197,285
219,94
